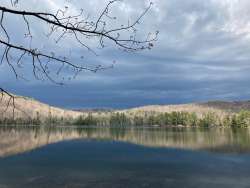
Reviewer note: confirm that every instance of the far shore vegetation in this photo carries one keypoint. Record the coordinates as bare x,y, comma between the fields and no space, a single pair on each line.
122,119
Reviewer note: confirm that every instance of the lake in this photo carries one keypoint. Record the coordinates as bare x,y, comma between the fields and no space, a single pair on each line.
92,157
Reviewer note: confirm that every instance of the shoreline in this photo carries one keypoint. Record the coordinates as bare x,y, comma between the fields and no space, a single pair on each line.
120,127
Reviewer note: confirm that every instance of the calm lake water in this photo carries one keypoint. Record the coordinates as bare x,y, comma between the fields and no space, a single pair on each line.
119,158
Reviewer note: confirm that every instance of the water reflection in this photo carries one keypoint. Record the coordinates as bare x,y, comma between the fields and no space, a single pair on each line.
18,140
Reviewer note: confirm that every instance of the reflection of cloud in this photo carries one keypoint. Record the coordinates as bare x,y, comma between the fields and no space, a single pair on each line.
203,53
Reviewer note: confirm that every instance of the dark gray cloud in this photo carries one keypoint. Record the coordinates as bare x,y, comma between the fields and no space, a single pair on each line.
203,53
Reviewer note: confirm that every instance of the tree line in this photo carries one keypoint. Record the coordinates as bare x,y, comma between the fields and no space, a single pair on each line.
121,119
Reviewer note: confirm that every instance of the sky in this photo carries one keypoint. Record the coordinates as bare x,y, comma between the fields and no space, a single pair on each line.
202,54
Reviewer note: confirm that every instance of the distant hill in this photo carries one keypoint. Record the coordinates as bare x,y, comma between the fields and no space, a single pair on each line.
199,109
234,106
219,107
30,108
26,108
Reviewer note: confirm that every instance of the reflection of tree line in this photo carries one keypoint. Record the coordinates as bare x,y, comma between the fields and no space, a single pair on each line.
19,140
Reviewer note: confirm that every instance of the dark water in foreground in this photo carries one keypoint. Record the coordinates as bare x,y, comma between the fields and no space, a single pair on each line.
106,158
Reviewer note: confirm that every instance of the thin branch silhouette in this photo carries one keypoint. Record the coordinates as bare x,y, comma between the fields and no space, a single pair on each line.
80,28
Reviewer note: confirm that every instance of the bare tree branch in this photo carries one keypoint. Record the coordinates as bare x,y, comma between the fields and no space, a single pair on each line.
10,98
79,27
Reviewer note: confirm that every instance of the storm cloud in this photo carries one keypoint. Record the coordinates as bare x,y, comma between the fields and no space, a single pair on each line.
203,53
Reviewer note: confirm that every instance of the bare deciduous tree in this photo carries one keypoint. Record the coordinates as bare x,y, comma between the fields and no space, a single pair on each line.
61,24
